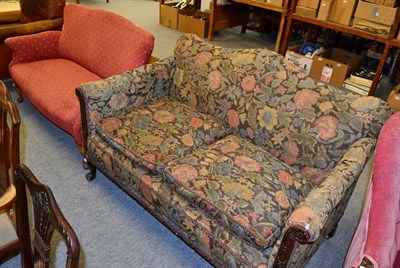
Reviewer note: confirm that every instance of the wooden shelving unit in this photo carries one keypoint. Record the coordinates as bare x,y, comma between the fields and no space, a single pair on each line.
220,13
388,41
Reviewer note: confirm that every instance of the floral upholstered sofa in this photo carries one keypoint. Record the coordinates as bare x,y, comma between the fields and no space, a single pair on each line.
240,154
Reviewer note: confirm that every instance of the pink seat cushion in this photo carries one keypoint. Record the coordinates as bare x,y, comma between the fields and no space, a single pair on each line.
54,81
103,42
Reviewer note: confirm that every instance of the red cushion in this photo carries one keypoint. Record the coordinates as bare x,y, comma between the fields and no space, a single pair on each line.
54,82
103,42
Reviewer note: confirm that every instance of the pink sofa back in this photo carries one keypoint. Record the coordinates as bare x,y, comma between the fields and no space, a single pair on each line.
103,42
378,234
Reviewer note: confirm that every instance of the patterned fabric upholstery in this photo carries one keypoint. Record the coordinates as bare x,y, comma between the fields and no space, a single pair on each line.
240,185
267,99
159,133
297,149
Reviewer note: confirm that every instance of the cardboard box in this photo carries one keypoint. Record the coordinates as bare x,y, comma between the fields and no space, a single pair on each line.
366,25
342,11
335,66
169,14
193,24
309,3
324,9
304,62
380,2
391,3
278,3
375,13
306,12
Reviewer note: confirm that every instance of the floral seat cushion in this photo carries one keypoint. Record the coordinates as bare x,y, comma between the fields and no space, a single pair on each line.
158,133
244,187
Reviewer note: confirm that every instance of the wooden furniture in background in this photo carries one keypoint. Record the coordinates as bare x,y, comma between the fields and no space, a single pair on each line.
235,13
281,10
225,16
388,41
33,18
9,158
47,218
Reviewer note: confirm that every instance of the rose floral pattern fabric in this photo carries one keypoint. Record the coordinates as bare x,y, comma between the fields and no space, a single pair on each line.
158,133
121,93
313,131
198,229
240,185
264,98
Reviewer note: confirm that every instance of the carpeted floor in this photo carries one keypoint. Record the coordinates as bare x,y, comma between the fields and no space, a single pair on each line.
113,230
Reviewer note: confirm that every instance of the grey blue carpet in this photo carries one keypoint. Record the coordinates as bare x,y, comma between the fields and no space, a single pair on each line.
114,231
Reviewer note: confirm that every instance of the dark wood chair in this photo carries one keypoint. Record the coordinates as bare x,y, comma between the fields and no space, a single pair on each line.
9,158
47,219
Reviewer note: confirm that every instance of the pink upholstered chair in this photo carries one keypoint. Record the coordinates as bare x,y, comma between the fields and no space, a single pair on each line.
94,44
376,242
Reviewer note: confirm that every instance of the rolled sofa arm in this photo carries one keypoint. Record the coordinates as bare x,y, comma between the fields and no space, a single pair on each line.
34,47
313,212
323,207
126,91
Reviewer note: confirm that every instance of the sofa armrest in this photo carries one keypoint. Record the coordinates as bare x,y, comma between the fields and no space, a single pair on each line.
314,211
42,46
318,214
125,91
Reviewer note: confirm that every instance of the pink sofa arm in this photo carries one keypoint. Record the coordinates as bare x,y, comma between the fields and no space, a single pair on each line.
34,47
377,237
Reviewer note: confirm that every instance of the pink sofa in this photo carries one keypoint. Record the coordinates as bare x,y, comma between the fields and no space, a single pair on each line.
94,44
376,242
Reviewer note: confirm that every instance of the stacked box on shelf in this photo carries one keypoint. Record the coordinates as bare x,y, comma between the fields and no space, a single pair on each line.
342,11
278,3
324,9
377,17
307,8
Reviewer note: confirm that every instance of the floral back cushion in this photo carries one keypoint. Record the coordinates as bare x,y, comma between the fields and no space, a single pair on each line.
263,97
158,133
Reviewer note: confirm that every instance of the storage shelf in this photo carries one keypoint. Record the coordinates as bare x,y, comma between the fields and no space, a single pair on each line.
263,5
388,41
341,28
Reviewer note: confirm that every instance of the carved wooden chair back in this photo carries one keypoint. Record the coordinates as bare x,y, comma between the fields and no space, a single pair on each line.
47,218
9,137
9,158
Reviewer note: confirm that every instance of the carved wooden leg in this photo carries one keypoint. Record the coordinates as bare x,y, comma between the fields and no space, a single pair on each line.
82,150
92,171
85,164
20,95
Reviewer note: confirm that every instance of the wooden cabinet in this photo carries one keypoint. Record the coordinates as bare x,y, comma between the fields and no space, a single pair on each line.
388,41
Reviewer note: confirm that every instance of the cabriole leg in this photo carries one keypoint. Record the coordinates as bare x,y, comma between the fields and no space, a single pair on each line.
92,171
